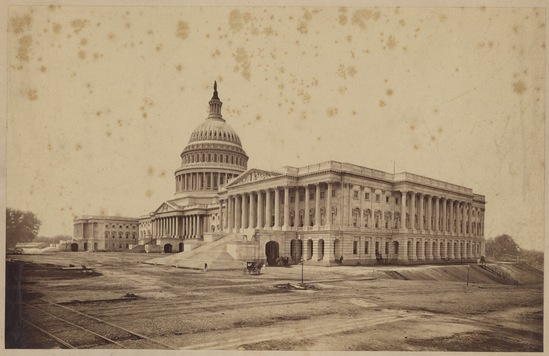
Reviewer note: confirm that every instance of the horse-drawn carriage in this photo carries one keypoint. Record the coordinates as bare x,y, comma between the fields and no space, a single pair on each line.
253,267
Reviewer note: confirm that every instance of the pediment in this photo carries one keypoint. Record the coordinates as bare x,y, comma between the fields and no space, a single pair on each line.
165,207
253,175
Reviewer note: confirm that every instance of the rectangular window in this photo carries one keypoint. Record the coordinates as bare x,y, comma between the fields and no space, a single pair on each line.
396,201
292,199
386,248
367,196
321,195
301,197
366,247
378,198
355,247
355,194
387,199
333,193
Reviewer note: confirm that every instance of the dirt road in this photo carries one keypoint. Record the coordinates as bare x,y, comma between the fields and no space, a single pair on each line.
341,308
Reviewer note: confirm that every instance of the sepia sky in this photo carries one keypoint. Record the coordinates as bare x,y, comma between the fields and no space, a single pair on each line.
103,99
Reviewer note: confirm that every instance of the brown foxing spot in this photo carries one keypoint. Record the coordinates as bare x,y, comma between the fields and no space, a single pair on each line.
77,147
416,147
150,171
519,87
103,211
331,112
412,127
32,94
83,41
381,103
162,174
243,63
148,193
433,138
111,36
389,92
20,24
98,113
82,54
342,18
42,69
440,130
56,28
258,117
108,133
78,25
391,42
23,51
182,30
179,67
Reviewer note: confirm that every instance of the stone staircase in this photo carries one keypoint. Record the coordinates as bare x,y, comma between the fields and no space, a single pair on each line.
214,254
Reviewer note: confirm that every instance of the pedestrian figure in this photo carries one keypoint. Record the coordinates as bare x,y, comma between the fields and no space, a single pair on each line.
205,267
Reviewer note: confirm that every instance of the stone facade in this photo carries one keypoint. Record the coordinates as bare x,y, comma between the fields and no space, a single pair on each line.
326,213
111,233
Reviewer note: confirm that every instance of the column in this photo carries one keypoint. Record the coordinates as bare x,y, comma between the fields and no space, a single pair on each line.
413,211
317,204
286,208
237,212
307,222
230,213
403,209
253,211
221,220
277,209
421,211
329,205
451,205
444,218
260,223
244,213
462,213
296,207
469,218
268,217
437,216
429,212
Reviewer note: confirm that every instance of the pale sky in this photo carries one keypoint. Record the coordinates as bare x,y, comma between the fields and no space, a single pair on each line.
102,100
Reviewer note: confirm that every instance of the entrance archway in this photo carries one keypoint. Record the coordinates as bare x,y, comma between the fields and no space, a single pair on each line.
271,252
296,248
337,249
74,247
309,249
320,252
181,247
95,245
168,248
85,246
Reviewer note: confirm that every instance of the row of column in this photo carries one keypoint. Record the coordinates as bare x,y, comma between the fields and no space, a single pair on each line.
201,180
422,249
188,227
254,209
456,216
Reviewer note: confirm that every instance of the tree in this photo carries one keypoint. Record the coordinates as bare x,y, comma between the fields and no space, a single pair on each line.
502,245
21,226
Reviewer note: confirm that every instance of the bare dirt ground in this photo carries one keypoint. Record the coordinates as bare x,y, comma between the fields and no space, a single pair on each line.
389,308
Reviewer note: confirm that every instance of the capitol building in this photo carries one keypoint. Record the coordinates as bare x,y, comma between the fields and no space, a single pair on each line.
326,213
